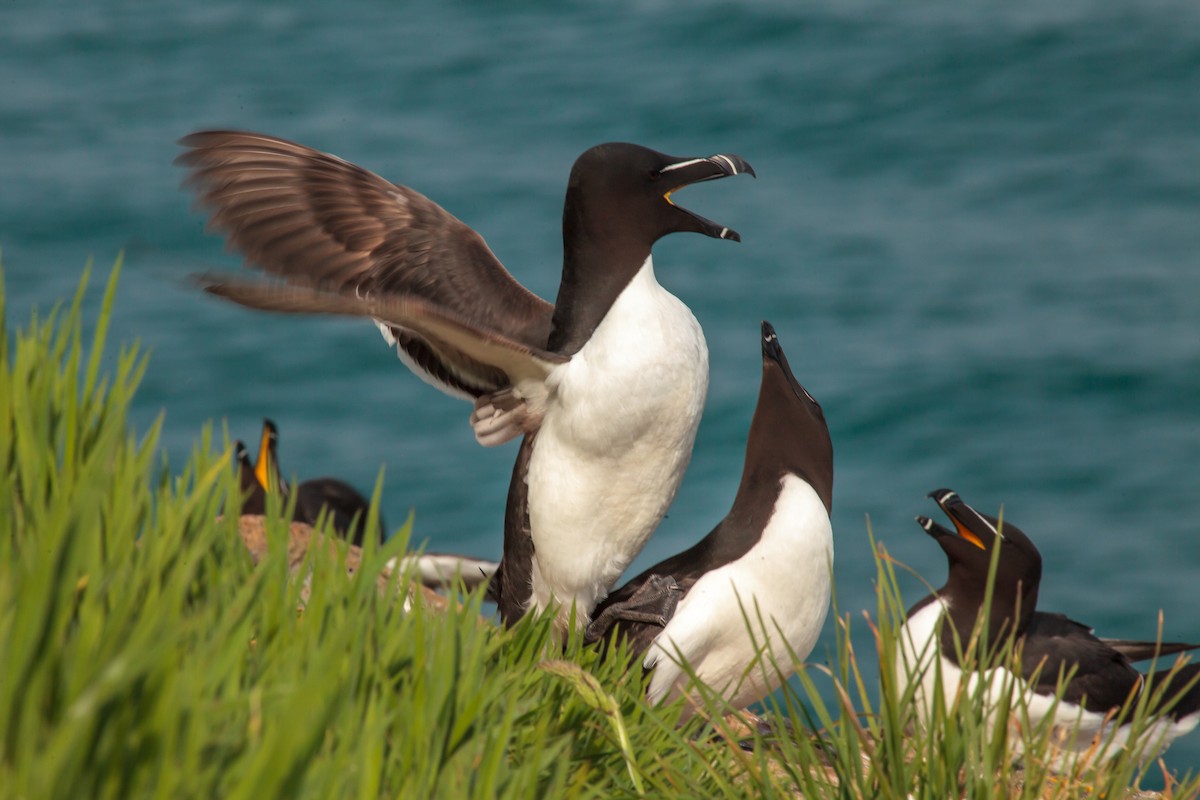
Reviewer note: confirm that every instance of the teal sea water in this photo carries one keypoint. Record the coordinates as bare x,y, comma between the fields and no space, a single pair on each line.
975,228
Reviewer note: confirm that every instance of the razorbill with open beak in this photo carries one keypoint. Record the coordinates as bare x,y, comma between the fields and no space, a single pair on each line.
1098,674
606,386
346,506
752,595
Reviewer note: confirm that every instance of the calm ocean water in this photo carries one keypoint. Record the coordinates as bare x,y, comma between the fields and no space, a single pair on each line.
975,228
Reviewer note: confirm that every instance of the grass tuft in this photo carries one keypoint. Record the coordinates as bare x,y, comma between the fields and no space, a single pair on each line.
146,655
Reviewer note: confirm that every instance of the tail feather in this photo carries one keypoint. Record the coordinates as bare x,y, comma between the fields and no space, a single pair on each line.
1136,650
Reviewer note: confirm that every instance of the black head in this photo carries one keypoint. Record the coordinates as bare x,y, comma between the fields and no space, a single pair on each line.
624,190
241,456
618,205
254,496
246,477
969,549
788,434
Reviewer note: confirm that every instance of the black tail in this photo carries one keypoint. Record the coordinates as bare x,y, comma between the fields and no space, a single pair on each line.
1144,651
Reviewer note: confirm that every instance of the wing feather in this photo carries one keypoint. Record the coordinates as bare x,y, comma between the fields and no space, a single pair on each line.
320,222
475,361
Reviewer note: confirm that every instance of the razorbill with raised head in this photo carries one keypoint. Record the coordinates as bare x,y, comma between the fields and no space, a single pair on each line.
746,602
606,385
1095,677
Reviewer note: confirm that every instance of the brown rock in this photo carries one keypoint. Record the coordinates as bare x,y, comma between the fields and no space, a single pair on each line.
253,530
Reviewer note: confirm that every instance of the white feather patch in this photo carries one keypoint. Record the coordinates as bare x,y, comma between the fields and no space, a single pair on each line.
617,434
773,600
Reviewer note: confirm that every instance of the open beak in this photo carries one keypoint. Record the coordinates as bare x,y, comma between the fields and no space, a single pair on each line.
968,523
266,455
934,529
686,171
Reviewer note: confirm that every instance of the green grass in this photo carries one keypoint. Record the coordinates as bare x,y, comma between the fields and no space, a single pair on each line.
145,656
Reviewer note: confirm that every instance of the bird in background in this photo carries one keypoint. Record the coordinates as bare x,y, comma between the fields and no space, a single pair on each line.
1097,675
604,388
345,505
348,511
746,602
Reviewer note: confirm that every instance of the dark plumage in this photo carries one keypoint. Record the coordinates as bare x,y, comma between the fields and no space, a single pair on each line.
330,226
348,242
788,435
772,553
1102,677
346,505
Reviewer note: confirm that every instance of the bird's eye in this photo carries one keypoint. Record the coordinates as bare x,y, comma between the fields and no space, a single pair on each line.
655,175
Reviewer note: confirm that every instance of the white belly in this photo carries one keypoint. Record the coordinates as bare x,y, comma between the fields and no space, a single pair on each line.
620,422
782,586
1077,737
918,659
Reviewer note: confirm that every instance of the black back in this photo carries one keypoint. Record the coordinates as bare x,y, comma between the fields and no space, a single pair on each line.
346,506
1052,644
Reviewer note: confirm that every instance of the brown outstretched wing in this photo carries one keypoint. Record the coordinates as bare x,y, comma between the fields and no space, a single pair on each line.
476,359
325,224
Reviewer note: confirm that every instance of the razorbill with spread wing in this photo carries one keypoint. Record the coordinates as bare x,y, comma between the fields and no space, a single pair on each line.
606,386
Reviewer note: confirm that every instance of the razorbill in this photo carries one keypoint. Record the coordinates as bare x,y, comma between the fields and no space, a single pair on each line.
1097,675
606,386
253,493
752,595
345,505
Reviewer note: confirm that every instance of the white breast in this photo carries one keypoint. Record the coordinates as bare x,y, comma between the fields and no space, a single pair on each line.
919,658
617,434
1077,737
771,601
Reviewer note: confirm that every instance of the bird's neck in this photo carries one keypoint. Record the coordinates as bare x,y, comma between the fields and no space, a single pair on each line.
593,277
